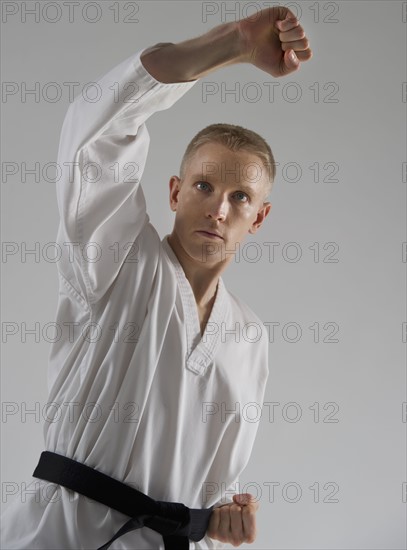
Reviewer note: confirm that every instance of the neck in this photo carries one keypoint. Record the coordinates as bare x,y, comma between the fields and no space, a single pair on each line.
202,278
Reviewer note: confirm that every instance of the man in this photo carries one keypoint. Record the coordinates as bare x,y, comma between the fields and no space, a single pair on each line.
133,380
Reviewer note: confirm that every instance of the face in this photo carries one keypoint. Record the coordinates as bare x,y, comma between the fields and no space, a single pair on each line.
218,202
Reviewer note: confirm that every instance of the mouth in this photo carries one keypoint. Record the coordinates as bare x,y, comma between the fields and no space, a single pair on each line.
210,235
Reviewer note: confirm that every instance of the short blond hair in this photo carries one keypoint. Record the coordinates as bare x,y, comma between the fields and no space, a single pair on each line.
236,138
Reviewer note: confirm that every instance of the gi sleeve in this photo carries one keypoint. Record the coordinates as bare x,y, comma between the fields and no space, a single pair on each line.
102,153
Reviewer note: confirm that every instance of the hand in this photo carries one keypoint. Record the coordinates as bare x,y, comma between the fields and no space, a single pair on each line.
234,523
271,37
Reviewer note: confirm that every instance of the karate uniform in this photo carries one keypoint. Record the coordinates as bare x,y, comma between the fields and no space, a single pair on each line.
135,391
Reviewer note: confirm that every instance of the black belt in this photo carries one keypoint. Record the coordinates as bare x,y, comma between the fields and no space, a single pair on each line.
174,521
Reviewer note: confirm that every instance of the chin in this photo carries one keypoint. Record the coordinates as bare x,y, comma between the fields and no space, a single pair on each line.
209,252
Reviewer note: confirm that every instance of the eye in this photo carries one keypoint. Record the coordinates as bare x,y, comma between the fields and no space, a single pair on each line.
202,185
242,197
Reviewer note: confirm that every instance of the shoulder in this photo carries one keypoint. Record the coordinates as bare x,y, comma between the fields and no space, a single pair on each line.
245,328
249,322
242,309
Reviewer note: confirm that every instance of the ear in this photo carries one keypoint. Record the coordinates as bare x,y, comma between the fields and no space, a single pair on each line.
175,186
261,216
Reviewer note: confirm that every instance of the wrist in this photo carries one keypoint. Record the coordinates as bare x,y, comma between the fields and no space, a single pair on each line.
222,46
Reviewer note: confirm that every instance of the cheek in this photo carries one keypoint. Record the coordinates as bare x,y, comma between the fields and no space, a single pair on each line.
186,208
190,203
245,215
241,220
184,197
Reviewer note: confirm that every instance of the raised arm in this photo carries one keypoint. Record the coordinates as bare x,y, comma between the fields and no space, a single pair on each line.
273,40
102,154
104,142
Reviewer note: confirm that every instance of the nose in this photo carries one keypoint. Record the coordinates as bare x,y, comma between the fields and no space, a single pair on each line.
217,209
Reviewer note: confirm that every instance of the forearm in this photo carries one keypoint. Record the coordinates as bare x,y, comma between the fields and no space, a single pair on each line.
194,58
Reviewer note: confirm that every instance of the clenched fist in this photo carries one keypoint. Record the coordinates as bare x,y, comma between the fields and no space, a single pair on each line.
274,41
234,523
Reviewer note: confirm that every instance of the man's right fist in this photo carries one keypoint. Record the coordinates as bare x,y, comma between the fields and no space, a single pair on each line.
274,41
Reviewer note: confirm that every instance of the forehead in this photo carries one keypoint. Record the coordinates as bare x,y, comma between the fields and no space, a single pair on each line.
214,161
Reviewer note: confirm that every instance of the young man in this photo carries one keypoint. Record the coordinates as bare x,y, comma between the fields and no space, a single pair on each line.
138,373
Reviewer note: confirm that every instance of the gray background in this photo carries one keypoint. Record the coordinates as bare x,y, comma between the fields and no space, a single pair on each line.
362,454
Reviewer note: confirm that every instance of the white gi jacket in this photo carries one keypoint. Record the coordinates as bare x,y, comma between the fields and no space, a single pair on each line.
134,390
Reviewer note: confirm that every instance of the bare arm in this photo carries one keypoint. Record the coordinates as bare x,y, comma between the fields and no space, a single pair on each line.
267,41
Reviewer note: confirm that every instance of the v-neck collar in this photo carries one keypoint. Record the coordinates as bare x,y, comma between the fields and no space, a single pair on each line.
200,348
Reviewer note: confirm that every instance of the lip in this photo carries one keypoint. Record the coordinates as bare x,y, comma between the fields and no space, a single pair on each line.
209,234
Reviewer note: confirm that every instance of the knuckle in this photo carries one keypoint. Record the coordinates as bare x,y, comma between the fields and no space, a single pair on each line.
248,512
